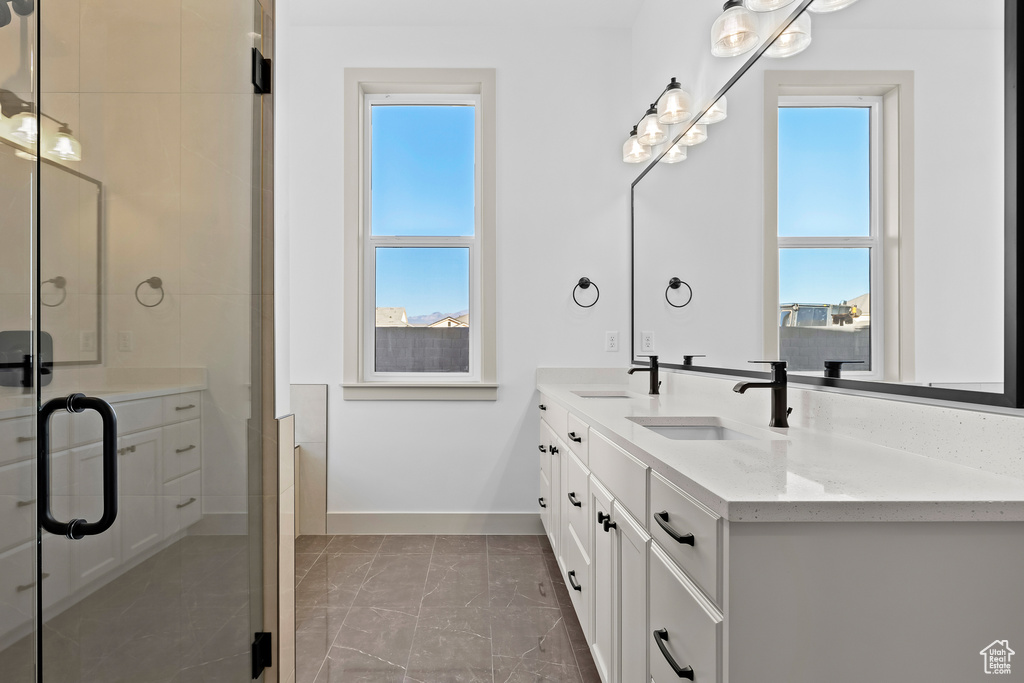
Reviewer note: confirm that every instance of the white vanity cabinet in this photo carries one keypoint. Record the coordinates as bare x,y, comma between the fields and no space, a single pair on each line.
159,453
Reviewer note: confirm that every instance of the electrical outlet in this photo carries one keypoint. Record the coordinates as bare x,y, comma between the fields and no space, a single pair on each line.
611,341
86,341
647,341
125,341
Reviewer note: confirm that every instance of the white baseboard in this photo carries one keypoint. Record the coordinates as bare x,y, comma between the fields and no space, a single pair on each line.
221,524
496,523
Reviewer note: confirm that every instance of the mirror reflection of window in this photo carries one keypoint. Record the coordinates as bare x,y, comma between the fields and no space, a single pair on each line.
829,246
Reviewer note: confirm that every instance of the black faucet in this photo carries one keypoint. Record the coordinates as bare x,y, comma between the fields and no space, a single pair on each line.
655,382
833,368
780,411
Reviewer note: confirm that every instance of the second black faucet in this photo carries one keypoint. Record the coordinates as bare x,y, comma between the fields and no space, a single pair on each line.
653,369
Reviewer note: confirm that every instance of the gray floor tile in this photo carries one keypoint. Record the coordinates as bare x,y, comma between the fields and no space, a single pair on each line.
303,561
518,545
531,633
514,670
360,545
394,581
311,544
334,580
452,644
405,545
520,581
456,581
373,645
460,545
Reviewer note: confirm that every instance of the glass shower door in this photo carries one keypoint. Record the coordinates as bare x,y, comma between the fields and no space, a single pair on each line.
139,291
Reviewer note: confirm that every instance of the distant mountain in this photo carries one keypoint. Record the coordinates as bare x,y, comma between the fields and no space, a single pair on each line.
433,317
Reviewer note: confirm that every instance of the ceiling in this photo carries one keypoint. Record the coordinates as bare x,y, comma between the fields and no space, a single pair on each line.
580,13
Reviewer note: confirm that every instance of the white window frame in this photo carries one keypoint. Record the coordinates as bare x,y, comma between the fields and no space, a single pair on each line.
372,243
365,88
893,309
873,241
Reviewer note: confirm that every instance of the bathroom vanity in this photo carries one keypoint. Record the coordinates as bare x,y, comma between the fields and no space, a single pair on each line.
160,455
697,544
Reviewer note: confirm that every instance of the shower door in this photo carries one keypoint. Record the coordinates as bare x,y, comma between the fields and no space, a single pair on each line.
130,444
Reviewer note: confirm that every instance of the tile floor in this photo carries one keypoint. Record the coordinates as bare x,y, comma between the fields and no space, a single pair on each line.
434,609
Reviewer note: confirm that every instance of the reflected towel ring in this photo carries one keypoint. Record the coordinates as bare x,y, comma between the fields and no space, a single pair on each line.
676,283
155,283
60,282
585,283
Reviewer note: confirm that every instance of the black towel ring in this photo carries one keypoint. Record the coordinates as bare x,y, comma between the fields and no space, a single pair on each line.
155,283
60,282
676,283
585,283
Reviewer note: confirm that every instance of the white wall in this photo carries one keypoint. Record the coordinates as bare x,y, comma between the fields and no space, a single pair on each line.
562,213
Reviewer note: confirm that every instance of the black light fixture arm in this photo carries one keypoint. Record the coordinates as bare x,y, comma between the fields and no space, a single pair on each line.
11,104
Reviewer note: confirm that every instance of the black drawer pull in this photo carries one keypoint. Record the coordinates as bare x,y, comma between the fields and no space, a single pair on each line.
572,582
573,437
26,439
609,524
542,503
574,500
662,519
542,448
186,449
542,406
25,503
601,517
554,450
26,586
661,637
186,503
190,405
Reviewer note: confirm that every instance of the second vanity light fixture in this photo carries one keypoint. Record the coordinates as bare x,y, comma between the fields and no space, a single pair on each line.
673,106
20,122
735,31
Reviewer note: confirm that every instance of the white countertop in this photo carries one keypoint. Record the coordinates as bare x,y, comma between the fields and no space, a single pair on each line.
794,475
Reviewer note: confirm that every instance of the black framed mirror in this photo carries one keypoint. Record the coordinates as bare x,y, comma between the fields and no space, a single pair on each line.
914,274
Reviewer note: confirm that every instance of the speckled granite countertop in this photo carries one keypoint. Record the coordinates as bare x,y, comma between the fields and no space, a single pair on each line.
794,475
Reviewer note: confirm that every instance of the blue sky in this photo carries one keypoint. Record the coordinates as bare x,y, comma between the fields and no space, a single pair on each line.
423,184
824,190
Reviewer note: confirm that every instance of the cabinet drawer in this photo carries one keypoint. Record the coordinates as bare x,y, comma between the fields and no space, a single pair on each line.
690,625
578,437
182,449
18,498
554,414
544,502
181,407
673,509
17,580
577,488
132,416
577,580
182,507
622,473
18,437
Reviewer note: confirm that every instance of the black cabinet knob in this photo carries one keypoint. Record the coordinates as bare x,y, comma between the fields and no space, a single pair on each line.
542,406
542,503
609,524
601,517
542,448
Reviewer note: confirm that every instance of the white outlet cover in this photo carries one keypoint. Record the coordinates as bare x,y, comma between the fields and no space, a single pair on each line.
647,341
611,341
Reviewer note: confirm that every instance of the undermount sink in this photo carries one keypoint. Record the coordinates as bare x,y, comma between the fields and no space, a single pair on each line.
603,394
691,428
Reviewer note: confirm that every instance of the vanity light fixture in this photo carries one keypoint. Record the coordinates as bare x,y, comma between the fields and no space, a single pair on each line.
697,134
649,131
65,146
27,127
716,113
823,6
675,154
674,105
766,5
793,40
24,127
632,151
734,31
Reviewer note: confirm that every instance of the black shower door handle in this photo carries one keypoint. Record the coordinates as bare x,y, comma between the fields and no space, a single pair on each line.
78,528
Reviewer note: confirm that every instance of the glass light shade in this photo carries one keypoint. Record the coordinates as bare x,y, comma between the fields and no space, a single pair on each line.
823,6
697,134
675,106
21,154
650,132
734,32
675,154
25,127
793,40
717,113
66,147
765,5
633,152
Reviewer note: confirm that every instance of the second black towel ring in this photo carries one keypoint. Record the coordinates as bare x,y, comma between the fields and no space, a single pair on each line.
155,283
585,283
676,283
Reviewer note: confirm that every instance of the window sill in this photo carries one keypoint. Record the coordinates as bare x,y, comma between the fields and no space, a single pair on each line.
396,391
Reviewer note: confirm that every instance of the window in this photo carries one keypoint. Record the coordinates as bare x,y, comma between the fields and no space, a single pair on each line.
838,228
421,322
828,232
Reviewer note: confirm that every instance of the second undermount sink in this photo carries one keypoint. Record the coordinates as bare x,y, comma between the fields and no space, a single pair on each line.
691,428
603,394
